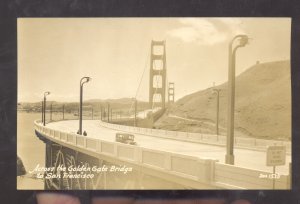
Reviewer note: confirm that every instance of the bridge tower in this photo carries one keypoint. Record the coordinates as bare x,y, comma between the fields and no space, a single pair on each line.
171,93
157,83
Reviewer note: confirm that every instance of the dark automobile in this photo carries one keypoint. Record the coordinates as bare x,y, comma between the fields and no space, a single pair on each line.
125,138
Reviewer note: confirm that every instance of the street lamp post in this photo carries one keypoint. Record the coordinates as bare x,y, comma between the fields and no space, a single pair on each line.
243,40
43,112
83,80
63,111
135,112
44,119
218,108
78,112
51,112
107,112
101,113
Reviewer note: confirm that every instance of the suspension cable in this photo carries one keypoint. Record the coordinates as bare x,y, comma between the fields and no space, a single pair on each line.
139,85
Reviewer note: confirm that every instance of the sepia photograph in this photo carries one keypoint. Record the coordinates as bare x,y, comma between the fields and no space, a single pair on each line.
154,103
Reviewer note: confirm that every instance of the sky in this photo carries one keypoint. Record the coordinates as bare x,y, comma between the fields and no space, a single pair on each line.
55,53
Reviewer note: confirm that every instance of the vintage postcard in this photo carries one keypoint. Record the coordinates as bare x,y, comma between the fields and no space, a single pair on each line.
154,103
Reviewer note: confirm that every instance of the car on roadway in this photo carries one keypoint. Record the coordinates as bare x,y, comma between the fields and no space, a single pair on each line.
125,138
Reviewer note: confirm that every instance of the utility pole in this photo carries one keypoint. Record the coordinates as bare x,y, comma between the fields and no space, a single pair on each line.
218,109
63,111
135,113
111,114
51,112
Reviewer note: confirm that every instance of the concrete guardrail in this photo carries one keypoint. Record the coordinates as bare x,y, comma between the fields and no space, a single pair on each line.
192,171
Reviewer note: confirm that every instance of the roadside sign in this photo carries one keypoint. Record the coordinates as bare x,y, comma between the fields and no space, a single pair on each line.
276,155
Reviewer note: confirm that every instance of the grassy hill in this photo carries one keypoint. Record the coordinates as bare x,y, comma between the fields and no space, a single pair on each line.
262,108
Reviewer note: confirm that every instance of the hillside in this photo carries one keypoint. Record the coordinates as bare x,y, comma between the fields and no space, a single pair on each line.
262,110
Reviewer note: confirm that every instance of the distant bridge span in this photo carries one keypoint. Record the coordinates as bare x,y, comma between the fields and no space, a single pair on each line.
156,162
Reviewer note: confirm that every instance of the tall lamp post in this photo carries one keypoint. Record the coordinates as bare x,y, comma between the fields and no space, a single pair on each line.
243,40
108,112
135,112
63,111
101,113
44,119
83,80
43,111
51,112
218,108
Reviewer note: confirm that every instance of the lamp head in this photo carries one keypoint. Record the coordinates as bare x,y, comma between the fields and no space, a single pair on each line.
244,39
47,93
215,90
88,79
85,80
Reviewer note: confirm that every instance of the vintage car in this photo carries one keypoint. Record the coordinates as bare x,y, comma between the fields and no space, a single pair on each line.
125,138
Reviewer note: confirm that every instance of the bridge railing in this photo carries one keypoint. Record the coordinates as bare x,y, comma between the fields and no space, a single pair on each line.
191,171
199,137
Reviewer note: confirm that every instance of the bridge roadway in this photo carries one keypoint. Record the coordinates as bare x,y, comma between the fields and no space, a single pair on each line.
246,158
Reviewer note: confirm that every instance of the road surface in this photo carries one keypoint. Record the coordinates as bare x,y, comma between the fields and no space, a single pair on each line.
244,158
